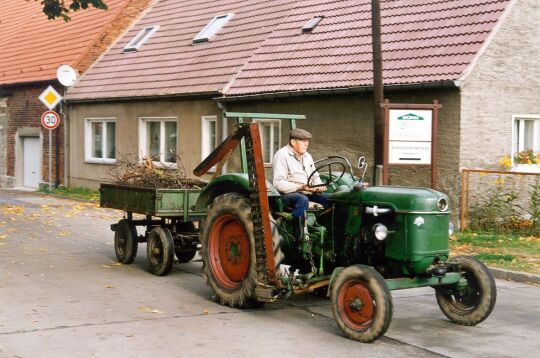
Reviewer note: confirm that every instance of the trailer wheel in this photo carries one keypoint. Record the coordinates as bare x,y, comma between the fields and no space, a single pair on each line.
476,301
160,251
361,303
184,255
228,251
125,242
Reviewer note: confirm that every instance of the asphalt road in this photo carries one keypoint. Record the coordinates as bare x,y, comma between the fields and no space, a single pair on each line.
62,295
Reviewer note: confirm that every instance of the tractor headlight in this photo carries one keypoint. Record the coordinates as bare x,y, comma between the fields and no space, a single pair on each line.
380,231
450,229
442,204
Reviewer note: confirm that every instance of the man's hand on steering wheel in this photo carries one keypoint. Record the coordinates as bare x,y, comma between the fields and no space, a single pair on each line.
318,189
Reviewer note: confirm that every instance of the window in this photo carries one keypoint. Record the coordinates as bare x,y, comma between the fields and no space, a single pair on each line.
525,137
208,135
270,137
100,140
141,38
158,139
212,28
311,24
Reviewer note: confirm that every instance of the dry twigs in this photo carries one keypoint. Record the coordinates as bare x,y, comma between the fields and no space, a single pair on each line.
151,174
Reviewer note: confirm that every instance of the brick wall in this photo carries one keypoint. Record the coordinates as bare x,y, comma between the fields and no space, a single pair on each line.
20,113
505,81
3,140
24,116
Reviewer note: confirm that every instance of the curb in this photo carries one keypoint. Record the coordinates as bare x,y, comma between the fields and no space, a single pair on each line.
515,276
58,196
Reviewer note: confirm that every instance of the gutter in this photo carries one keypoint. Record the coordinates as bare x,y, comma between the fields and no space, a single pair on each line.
339,91
197,95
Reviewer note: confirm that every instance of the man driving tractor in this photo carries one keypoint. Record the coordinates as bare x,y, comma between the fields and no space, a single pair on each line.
291,167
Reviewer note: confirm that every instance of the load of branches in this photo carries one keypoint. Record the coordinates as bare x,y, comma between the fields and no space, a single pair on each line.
152,174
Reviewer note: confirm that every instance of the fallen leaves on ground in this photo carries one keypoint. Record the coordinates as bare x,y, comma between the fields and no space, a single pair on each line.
465,248
117,264
12,209
149,310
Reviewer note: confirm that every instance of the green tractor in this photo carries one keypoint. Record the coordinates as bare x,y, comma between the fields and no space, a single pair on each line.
370,241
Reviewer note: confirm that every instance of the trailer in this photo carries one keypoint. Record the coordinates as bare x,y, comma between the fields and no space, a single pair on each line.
169,226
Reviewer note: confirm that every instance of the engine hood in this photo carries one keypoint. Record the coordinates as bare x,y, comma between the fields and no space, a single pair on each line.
400,199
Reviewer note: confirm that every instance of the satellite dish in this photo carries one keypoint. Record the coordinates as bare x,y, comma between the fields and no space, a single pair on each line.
66,75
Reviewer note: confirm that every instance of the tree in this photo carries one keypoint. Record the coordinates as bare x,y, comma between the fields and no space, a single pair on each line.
58,8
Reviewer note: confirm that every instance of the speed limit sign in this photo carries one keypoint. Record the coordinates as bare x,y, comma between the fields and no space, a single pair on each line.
50,119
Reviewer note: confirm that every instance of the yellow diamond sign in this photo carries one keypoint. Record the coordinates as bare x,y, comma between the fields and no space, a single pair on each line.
50,97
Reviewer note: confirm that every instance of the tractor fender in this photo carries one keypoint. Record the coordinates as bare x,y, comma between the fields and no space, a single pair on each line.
228,183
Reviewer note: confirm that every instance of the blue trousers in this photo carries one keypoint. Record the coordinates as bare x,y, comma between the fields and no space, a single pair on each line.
301,201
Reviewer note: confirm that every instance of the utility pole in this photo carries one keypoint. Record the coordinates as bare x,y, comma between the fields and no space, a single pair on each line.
378,95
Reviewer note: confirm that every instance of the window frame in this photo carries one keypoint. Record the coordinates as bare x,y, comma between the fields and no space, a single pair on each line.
272,150
143,142
203,36
88,158
140,39
518,145
205,138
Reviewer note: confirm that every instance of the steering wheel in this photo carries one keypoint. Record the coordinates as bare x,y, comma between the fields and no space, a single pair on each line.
330,179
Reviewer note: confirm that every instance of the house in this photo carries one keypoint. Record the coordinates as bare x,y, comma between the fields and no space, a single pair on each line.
156,86
194,61
32,50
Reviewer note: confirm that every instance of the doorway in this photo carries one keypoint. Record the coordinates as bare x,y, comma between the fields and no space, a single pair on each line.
31,162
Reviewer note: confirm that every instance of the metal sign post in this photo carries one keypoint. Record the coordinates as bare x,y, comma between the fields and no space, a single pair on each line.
50,120
410,136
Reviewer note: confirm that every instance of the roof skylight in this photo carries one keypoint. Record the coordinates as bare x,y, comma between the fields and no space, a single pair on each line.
141,38
212,28
311,24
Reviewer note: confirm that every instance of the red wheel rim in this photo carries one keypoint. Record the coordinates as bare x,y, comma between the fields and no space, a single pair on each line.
229,251
356,305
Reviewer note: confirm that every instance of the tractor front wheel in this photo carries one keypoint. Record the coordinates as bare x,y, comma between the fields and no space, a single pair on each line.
473,303
361,303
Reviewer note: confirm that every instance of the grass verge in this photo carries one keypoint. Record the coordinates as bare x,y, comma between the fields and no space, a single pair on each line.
78,193
516,253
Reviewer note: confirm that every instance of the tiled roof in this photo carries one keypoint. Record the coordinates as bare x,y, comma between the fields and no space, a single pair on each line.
168,63
33,47
262,49
423,41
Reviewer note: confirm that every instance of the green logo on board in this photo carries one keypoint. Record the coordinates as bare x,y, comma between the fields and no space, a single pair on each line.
410,117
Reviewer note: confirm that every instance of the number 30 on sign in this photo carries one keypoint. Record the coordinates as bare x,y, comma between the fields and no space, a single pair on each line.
50,119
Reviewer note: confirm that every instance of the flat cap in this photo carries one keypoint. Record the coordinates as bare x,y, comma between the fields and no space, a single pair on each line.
299,134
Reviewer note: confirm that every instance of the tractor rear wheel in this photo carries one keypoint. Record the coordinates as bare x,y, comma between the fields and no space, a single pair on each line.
125,242
228,251
476,301
160,251
361,303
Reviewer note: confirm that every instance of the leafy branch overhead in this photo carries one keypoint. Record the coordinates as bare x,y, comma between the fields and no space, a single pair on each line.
58,8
